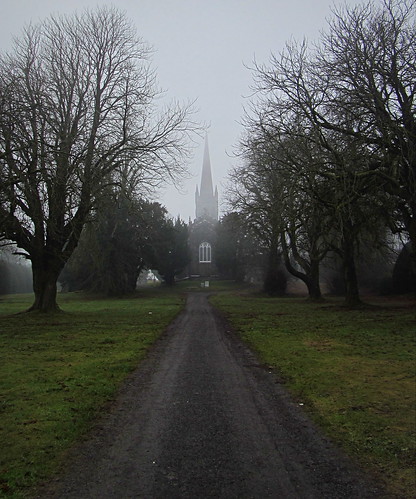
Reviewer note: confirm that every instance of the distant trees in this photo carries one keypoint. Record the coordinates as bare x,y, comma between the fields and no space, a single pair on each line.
229,234
15,274
329,153
237,249
77,114
281,212
124,237
108,258
170,250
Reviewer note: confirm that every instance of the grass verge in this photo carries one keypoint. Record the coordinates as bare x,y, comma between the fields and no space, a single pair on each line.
354,370
58,370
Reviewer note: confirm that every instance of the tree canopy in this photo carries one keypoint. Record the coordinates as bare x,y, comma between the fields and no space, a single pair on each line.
329,150
78,113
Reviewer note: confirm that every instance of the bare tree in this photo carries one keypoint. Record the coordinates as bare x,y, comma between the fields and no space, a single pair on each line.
77,113
369,58
276,190
360,83
349,103
312,189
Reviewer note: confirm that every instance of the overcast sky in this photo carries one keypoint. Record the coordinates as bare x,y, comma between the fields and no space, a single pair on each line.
202,48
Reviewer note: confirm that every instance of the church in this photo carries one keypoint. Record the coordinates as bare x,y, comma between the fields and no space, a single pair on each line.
202,231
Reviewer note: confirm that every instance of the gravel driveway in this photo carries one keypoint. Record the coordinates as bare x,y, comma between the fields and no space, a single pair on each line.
201,418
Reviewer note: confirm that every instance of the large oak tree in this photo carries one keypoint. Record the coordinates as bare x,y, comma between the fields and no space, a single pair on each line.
77,113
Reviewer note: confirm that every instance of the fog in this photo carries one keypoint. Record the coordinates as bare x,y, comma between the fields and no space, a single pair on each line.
202,52
15,274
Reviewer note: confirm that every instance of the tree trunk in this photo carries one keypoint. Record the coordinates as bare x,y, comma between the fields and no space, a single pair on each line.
352,295
310,276
412,250
314,288
169,278
275,281
45,279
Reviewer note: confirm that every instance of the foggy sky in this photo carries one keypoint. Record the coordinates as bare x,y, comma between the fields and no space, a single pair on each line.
202,50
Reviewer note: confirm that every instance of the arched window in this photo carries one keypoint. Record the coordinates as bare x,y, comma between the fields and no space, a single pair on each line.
204,253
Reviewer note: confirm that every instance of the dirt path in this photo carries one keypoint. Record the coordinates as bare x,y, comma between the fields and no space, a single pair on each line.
201,418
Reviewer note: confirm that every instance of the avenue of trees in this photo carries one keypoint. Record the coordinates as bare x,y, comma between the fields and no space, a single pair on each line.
328,159
78,119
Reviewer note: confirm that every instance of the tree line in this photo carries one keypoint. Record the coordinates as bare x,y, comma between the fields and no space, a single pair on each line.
326,176
328,158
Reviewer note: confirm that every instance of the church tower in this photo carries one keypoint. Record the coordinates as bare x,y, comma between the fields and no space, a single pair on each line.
202,232
206,199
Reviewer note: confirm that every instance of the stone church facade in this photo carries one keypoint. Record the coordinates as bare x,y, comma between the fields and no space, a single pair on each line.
202,231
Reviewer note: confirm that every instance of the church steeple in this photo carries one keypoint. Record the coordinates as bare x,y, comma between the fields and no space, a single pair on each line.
206,177
206,199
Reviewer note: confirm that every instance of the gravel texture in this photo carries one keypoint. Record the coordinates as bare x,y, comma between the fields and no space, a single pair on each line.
202,418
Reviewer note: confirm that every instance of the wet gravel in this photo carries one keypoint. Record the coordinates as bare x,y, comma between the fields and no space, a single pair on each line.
202,418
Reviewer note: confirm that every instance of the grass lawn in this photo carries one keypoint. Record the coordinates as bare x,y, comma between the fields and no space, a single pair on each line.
354,370
58,370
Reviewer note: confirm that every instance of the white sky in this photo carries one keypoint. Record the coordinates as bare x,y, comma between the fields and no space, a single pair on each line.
202,48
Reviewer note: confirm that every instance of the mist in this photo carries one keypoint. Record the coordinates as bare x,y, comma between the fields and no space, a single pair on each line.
15,274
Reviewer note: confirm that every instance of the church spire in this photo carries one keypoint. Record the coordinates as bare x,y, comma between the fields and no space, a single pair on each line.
206,199
206,177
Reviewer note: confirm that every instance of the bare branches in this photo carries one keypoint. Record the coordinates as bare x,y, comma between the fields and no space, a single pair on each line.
331,134
78,113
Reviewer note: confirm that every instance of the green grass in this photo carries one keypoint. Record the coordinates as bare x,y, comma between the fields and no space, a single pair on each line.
58,370
354,370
